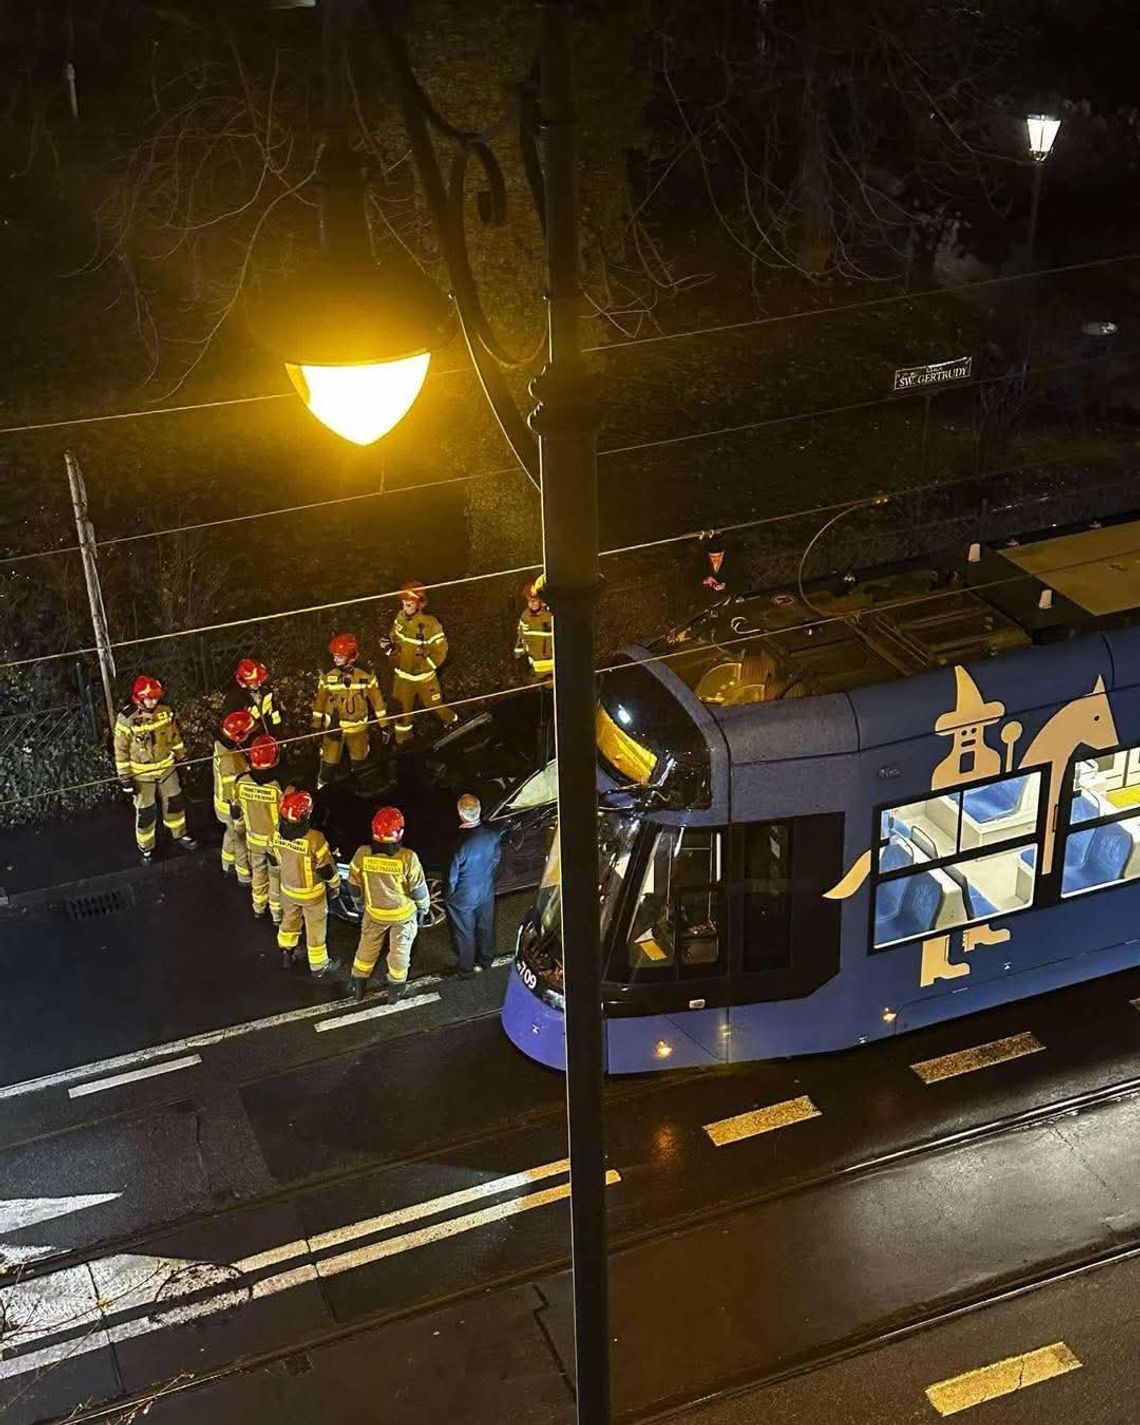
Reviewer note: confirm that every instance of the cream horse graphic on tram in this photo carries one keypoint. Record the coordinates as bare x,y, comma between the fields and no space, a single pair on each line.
1087,721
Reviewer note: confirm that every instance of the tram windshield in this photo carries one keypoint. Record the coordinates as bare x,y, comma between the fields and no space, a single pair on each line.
648,743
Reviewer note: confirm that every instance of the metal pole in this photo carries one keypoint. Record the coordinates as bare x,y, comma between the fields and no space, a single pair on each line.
1034,202
86,534
566,424
925,435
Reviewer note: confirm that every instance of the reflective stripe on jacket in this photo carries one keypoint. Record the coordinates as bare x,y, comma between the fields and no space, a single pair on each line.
229,764
419,646
344,698
302,861
147,744
536,640
258,702
392,883
259,802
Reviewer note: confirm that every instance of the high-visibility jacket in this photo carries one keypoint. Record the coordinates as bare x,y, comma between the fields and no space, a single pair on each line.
258,702
392,883
306,863
418,646
147,744
536,640
229,764
344,698
259,798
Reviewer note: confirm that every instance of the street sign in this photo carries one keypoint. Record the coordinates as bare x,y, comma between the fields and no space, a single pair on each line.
939,373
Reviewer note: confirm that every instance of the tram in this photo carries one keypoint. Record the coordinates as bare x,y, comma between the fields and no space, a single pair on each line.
842,812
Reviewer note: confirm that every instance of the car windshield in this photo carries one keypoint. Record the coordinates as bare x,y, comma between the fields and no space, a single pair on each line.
616,834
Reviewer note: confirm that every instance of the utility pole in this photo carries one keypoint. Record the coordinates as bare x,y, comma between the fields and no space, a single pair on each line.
86,534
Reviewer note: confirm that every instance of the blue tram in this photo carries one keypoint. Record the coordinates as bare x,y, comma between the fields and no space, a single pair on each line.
833,815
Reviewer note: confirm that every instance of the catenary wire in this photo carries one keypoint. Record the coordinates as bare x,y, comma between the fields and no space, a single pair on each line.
868,304
877,499
817,413
497,693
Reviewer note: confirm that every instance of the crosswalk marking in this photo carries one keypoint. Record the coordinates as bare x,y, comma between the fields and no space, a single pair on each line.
1002,1378
761,1120
983,1056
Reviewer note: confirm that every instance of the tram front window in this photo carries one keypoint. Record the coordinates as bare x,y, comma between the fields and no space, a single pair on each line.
540,940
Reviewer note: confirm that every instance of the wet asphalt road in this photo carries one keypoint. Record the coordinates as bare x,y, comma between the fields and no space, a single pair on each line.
381,1206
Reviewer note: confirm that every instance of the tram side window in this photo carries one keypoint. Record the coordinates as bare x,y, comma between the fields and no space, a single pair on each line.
784,919
961,855
678,918
1102,847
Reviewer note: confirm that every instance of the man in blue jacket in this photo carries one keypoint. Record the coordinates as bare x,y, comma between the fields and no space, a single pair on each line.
470,901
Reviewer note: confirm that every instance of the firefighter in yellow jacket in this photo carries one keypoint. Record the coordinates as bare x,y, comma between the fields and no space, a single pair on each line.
259,796
388,885
346,694
306,867
229,763
535,641
417,647
147,745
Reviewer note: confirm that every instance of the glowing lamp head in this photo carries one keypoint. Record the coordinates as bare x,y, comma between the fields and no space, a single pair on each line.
356,339
364,401
1042,132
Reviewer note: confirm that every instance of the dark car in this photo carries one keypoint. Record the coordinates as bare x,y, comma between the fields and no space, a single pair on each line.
500,757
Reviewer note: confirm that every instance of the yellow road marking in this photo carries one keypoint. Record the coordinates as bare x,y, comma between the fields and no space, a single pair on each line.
1002,1378
761,1120
965,1061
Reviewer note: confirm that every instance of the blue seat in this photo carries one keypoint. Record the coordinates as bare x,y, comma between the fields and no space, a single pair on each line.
1084,808
915,912
896,854
991,803
1095,858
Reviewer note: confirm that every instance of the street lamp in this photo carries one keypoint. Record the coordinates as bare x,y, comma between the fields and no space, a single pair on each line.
1042,131
394,316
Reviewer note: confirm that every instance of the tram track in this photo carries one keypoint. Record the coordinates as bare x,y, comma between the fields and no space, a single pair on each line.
1039,1274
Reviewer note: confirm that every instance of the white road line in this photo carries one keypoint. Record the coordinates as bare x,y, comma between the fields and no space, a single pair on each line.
16,1213
374,1012
88,1297
193,1041
98,1085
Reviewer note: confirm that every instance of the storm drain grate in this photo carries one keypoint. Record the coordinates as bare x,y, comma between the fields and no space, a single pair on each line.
98,903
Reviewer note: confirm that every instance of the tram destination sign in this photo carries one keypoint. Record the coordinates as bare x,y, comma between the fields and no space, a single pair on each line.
939,373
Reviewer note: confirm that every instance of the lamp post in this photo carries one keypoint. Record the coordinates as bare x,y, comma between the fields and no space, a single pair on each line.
350,326
1042,130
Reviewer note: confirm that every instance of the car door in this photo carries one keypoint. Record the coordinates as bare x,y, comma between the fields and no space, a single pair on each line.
525,818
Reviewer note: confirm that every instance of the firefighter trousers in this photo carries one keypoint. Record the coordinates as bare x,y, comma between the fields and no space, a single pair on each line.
148,793
380,936
265,883
235,853
409,693
314,915
332,746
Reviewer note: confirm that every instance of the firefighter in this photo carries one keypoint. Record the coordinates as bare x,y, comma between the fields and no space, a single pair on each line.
535,640
417,648
229,763
250,692
147,745
259,796
387,883
346,694
306,868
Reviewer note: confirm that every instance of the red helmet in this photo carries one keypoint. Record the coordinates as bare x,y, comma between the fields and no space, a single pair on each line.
296,807
251,674
414,593
343,645
145,687
263,752
388,824
238,725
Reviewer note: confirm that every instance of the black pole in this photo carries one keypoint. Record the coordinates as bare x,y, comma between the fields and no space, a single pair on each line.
1034,201
566,425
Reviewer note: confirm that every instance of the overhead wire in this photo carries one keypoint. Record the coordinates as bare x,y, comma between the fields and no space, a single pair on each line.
817,413
802,626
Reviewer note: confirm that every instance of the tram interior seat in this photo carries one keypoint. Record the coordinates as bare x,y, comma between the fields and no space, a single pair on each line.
1101,856
914,904
989,814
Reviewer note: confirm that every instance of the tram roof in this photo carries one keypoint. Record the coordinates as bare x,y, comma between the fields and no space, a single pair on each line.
843,646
